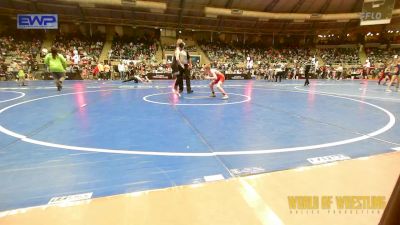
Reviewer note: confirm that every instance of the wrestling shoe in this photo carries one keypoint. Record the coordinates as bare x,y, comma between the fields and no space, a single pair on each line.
59,87
177,93
213,95
225,97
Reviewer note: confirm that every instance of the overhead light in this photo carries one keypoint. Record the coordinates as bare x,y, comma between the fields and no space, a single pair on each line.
128,3
397,32
180,31
377,33
160,29
315,16
156,10
211,15
348,35
87,5
263,19
236,11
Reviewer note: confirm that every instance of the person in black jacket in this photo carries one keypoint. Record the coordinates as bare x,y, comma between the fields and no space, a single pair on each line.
181,67
307,70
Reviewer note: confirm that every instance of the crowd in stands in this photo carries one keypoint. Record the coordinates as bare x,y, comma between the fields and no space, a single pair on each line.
128,57
190,48
340,56
80,50
141,49
131,55
237,59
378,56
231,56
223,55
19,51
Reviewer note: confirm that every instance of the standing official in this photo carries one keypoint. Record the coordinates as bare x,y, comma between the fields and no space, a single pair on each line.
307,69
183,65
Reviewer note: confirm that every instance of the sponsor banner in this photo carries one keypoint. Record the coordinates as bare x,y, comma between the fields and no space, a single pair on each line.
376,12
237,76
70,198
159,76
247,171
336,204
327,159
214,177
37,21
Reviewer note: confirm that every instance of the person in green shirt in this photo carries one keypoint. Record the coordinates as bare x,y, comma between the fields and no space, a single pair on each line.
21,76
56,64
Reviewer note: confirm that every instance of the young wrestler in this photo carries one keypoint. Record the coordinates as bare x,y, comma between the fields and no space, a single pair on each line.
217,78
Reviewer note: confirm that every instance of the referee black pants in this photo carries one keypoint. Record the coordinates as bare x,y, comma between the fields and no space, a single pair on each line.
278,76
183,73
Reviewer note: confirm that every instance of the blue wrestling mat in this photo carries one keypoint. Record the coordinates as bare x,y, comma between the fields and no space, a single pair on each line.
107,138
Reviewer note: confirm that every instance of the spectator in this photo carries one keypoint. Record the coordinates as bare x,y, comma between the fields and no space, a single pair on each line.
56,64
21,76
121,70
107,71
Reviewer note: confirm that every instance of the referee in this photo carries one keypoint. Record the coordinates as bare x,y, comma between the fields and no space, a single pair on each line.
183,64
307,69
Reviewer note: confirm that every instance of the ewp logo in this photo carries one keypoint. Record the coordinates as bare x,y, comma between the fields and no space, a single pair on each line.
37,21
